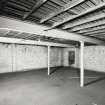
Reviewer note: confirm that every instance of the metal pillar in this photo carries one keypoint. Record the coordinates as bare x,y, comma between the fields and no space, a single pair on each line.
81,64
13,54
48,60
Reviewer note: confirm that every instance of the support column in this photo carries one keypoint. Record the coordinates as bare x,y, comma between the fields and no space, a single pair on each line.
81,63
13,55
48,60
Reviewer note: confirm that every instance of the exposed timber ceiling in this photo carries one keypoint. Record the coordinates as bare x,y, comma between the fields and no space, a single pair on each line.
83,17
27,36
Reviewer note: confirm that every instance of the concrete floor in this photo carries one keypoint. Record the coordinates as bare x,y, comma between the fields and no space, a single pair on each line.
60,88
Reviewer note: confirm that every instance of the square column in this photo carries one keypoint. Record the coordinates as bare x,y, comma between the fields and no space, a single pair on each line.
81,64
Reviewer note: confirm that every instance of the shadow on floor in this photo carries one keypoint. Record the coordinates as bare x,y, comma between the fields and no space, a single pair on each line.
87,73
94,81
55,69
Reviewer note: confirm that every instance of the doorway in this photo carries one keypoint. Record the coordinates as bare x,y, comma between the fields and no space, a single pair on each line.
71,57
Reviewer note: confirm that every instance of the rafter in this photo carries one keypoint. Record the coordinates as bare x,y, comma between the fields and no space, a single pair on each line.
98,33
88,26
95,28
84,21
35,7
98,36
66,7
94,32
77,16
39,30
101,34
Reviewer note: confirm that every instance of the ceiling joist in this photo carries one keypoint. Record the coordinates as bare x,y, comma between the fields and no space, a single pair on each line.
35,7
39,30
95,28
94,32
30,42
84,21
77,16
89,26
66,7
100,34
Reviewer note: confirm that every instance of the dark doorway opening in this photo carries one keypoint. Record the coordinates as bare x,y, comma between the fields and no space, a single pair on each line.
71,57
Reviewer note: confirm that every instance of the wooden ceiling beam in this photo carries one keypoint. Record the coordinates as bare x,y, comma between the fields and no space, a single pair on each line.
66,7
78,23
91,28
77,16
21,26
98,36
94,32
83,22
101,34
31,42
97,30
35,7
88,26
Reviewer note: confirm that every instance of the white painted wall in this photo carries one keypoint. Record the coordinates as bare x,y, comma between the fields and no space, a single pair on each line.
5,58
30,57
15,57
94,58
56,55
